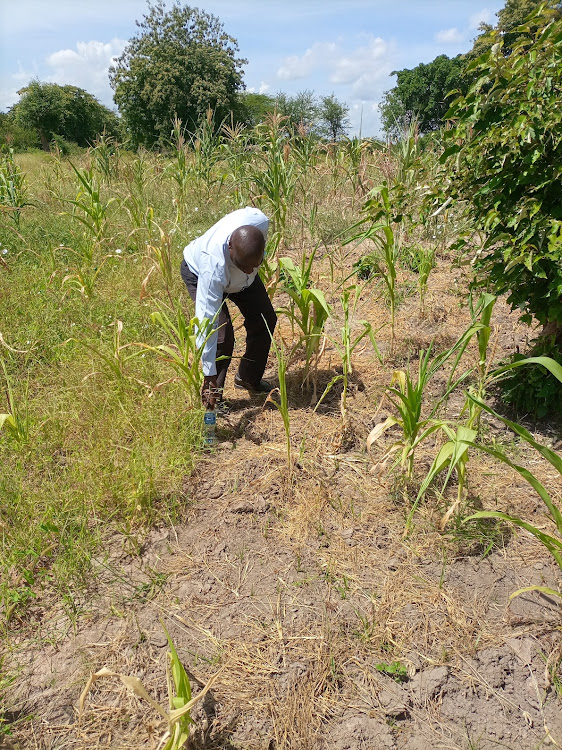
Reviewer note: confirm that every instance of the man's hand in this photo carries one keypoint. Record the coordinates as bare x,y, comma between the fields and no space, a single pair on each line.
210,391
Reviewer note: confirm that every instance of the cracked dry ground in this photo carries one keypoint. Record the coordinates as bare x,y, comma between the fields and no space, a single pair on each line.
299,596
301,592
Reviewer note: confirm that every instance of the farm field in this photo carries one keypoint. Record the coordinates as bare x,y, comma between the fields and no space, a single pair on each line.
299,560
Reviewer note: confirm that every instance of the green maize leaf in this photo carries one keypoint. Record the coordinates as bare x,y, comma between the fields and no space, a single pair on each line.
533,481
547,453
553,545
8,420
542,589
181,680
554,367
318,295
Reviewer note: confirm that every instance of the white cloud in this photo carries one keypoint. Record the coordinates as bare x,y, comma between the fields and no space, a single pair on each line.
86,66
263,88
449,36
458,36
362,70
300,67
483,16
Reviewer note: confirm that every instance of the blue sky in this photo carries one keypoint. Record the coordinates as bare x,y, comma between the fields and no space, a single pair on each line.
345,47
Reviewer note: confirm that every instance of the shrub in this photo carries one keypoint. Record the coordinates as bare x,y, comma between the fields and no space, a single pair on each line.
505,155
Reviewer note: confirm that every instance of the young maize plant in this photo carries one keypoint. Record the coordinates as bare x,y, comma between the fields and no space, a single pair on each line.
83,280
13,190
348,342
206,143
177,717
454,454
384,260
183,353
115,361
235,146
16,421
308,311
425,266
269,269
407,397
88,207
161,256
355,150
105,157
179,169
138,178
283,404
274,176
552,543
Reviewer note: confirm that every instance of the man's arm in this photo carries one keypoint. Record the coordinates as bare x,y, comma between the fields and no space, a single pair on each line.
208,301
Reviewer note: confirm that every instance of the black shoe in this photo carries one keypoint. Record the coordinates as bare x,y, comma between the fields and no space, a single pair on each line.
262,387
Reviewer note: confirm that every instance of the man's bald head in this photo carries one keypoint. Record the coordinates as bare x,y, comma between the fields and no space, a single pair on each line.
247,245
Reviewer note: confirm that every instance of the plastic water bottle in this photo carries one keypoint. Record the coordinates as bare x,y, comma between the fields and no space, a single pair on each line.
209,425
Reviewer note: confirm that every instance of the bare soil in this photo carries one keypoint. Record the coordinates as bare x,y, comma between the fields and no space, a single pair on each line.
301,587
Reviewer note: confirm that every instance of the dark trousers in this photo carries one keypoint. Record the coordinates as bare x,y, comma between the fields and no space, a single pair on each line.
258,314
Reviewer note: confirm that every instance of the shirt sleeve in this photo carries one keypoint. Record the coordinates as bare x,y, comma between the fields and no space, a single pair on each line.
208,301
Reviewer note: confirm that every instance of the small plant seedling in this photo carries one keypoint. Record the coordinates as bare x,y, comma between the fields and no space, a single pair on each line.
396,670
177,716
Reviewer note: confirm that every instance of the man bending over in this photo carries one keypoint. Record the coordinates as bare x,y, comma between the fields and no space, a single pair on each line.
223,264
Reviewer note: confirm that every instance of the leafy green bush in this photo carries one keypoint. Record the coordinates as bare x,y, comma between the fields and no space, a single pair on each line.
505,157
16,137
534,389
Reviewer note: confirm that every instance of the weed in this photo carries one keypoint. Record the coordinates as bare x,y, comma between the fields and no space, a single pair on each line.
395,669
283,404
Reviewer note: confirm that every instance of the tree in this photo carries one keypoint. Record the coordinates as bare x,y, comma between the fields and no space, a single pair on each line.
505,154
334,117
252,108
15,136
510,19
181,64
422,92
67,111
301,109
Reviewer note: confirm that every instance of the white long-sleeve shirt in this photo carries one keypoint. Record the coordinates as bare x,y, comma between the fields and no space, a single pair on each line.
208,257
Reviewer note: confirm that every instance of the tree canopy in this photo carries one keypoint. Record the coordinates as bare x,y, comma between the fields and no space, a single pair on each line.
333,117
422,92
253,108
300,109
181,63
510,18
66,111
